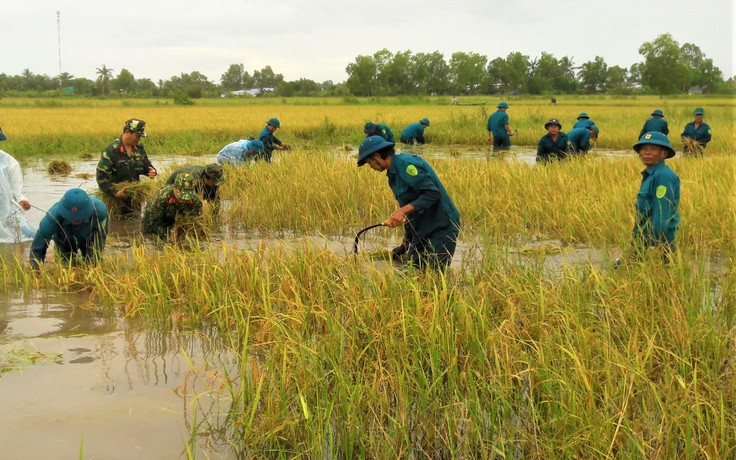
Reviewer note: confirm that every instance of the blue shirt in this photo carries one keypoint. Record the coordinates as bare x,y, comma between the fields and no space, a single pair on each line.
701,134
579,139
656,124
657,203
497,124
235,153
584,123
411,132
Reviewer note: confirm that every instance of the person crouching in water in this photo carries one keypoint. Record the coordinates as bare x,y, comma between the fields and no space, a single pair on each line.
431,218
172,201
658,200
78,223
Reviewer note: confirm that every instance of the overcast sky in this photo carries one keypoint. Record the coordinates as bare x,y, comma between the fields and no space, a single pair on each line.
317,39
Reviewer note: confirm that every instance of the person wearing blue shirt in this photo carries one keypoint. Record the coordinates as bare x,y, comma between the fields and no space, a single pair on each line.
658,200
656,123
270,141
424,205
414,132
498,127
554,144
379,129
237,153
579,139
78,223
584,121
696,134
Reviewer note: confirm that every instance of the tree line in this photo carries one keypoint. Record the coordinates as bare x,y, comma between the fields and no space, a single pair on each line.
667,68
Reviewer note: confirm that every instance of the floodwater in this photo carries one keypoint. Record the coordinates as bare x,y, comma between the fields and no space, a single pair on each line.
74,380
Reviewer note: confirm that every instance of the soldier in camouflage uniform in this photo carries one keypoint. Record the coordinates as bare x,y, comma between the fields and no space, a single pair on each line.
125,160
207,180
171,201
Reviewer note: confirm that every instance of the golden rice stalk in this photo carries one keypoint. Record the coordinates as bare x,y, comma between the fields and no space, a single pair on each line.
58,168
692,146
189,228
140,192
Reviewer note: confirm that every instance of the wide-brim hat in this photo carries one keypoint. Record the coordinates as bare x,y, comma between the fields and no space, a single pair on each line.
214,172
369,127
655,138
658,113
502,105
553,121
424,121
76,205
371,145
699,111
583,115
274,122
256,145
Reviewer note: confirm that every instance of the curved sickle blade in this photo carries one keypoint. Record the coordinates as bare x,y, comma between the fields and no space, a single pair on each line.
357,237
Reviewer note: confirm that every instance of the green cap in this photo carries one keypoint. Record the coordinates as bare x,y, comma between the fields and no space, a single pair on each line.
658,113
583,115
75,205
274,122
424,121
184,184
503,105
699,111
135,125
371,145
553,121
655,138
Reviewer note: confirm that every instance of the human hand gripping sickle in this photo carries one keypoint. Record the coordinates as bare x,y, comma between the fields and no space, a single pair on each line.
399,216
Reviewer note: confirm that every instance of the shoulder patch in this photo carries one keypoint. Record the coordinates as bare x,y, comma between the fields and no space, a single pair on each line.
661,190
412,170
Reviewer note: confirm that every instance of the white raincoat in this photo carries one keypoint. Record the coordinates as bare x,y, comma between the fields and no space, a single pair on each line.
14,227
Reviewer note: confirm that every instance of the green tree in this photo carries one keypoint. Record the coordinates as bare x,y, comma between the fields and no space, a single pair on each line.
104,75
431,73
232,79
616,78
266,78
125,82
397,74
468,73
362,76
702,71
664,69
594,75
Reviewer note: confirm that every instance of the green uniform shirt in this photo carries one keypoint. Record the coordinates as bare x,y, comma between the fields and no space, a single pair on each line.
657,214
161,212
548,149
383,131
657,124
412,180
497,124
116,166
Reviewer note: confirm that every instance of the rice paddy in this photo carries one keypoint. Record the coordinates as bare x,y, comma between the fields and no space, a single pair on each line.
503,356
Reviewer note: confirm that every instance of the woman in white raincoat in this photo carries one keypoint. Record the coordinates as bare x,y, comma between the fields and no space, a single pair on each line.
14,227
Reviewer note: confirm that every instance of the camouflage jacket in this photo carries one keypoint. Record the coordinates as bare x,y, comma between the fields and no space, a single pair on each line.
161,212
116,166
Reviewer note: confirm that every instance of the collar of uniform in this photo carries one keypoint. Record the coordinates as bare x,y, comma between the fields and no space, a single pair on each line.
652,169
394,169
122,146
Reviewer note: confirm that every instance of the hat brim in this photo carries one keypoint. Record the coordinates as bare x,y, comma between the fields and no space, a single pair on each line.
3,137
670,151
547,125
80,215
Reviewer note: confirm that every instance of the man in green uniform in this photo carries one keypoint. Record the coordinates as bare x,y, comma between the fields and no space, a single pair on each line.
584,121
578,139
207,180
657,203
656,123
424,205
171,201
125,160
698,133
414,133
271,142
553,145
76,224
378,129
498,128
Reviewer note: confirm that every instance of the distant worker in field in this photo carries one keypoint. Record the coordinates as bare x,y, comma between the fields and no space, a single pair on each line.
697,134
454,100
415,132
553,145
656,123
271,142
125,160
242,151
658,200
207,180
498,128
584,121
77,224
425,208
14,226
553,101
378,129
580,139
171,202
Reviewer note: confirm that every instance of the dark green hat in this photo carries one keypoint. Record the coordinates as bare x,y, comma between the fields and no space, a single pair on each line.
699,111
503,105
553,121
214,172
658,113
424,121
255,145
369,127
371,145
583,115
76,205
655,138
135,125
274,122
185,186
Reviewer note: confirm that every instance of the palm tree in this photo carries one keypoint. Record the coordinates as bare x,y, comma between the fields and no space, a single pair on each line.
568,67
105,75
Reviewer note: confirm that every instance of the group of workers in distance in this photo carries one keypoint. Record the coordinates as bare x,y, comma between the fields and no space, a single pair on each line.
79,223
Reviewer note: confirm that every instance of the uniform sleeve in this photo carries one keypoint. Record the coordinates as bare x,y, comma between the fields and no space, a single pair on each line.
665,129
541,149
146,163
99,236
685,131
664,208
104,174
152,222
428,194
504,120
390,135
40,244
489,125
707,137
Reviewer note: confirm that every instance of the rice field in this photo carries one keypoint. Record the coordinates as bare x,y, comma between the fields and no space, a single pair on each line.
503,356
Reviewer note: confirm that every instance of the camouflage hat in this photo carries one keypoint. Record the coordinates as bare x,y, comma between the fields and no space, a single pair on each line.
184,184
214,172
135,125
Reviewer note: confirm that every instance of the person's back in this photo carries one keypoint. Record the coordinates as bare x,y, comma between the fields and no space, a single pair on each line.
497,122
655,124
579,139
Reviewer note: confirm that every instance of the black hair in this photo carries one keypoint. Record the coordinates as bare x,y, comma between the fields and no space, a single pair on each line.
386,151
